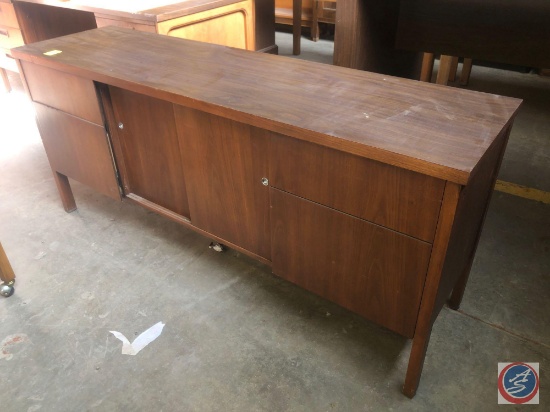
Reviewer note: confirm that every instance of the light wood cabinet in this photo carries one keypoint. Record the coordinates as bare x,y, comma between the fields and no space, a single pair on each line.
377,205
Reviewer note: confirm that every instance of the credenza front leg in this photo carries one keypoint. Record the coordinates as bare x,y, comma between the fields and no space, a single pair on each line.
65,191
416,361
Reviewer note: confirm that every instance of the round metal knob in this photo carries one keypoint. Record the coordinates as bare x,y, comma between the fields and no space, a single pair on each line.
121,125
265,182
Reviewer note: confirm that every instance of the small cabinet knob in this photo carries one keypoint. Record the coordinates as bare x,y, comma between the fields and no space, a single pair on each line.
265,182
121,125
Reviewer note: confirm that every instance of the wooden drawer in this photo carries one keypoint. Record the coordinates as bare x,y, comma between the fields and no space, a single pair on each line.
10,37
78,98
373,271
7,62
7,15
77,149
398,199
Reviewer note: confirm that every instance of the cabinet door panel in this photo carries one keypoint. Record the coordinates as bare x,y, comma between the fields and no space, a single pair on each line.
373,271
78,149
225,162
150,149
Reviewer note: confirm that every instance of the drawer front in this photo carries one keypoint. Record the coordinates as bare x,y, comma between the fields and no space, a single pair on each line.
10,37
78,98
7,62
405,201
78,149
7,15
372,271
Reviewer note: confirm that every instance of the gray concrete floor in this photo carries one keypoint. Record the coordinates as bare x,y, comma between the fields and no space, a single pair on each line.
236,337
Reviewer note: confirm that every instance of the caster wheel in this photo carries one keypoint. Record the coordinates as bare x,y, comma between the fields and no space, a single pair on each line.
7,290
218,247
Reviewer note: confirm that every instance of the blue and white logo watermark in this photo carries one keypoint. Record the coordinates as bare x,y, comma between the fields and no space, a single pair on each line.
518,383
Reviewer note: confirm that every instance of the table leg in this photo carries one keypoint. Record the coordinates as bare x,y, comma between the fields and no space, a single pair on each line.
6,274
315,21
65,191
296,26
427,67
5,80
444,69
466,70
454,68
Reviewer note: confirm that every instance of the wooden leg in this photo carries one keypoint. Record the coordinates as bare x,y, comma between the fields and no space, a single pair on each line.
296,26
6,271
6,275
315,21
5,80
65,191
416,362
466,70
427,67
444,69
454,68
458,290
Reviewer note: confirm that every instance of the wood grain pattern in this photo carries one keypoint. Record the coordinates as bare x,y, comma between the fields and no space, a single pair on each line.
224,163
153,167
395,198
6,271
437,131
78,96
512,31
77,149
370,270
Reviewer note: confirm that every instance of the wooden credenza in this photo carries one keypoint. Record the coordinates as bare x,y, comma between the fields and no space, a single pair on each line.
373,197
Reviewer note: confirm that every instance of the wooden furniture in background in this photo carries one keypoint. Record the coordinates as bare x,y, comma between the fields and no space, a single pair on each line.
225,22
448,66
246,24
365,37
10,36
377,205
7,276
312,13
324,11
390,36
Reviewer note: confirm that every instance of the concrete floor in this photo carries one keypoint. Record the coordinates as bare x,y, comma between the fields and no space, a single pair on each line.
236,337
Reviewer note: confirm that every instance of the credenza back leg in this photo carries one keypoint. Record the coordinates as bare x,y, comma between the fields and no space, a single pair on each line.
6,274
458,291
65,191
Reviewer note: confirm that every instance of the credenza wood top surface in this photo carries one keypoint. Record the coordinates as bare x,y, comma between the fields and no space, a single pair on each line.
439,131
148,10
